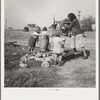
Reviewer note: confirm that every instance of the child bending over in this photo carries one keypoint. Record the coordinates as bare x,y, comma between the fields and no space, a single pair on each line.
58,49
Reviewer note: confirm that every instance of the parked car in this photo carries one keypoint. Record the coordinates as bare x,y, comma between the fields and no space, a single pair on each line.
26,29
62,25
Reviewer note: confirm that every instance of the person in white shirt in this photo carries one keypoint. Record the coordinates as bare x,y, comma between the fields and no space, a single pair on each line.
58,49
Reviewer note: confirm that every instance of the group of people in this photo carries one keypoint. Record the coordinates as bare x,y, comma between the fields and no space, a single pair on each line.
52,42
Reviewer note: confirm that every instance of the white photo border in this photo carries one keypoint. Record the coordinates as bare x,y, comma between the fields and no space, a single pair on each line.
46,93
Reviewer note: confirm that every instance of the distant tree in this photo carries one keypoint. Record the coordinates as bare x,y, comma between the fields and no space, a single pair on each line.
31,26
87,23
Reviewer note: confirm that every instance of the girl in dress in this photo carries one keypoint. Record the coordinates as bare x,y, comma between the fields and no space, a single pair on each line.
76,38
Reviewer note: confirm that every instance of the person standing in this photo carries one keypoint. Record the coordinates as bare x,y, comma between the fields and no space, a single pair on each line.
44,41
76,38
33,39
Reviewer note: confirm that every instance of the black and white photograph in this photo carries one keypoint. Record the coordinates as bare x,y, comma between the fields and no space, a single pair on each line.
50,43
49,49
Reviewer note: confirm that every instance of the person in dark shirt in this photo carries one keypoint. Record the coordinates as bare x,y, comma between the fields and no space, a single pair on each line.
77,38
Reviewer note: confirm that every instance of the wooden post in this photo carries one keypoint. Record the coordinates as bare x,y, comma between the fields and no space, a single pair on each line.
54,19
6,23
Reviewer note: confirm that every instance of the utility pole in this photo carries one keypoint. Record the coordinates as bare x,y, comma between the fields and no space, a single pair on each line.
54,19
54,22
79,15
6,23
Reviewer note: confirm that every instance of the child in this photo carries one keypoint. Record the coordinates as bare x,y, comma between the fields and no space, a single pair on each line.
33,38
76,37
58,49
44,42
50,33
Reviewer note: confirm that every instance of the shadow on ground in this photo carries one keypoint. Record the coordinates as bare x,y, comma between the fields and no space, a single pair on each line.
69,56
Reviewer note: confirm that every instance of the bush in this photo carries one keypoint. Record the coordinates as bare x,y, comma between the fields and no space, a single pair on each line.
87,22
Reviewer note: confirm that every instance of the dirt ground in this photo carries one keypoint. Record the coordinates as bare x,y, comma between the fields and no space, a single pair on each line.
75,72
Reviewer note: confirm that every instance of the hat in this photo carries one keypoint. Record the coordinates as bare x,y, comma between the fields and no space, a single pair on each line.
37,29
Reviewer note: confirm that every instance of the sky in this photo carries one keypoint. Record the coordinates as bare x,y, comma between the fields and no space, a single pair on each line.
19,13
